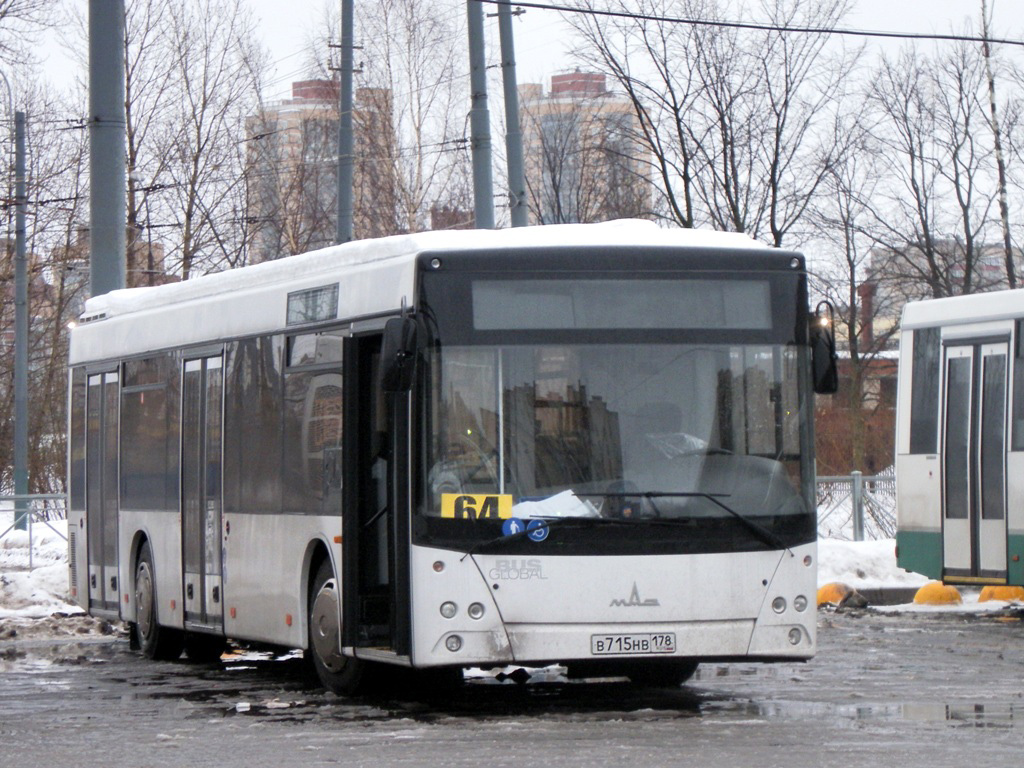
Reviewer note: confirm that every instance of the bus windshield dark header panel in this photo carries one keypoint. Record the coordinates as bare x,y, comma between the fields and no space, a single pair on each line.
620,304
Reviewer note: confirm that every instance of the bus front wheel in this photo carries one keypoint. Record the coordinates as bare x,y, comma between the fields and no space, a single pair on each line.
155,642
338,673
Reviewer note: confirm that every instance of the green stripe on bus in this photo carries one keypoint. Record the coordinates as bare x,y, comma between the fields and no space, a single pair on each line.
1015,570
920,552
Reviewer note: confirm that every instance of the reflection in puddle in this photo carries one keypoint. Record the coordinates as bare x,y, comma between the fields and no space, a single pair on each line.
976,715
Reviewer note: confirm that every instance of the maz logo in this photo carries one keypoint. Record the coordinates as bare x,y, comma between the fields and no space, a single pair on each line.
634,600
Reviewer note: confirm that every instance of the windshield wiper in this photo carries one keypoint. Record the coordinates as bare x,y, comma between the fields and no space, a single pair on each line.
765,535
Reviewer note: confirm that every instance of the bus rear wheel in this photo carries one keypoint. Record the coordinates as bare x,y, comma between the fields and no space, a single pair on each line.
335,672
155,641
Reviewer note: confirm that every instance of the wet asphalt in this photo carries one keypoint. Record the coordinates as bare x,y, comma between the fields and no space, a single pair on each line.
885,689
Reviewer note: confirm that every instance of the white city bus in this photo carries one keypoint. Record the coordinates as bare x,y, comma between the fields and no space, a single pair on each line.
960,439
583,444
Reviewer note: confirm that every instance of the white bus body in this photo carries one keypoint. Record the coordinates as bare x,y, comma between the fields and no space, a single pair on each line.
960,439
238,471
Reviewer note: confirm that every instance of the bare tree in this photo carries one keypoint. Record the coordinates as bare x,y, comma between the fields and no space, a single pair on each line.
149,102
20,23
931,218
736,120
56,162
413,57
997,144
216,63
854,428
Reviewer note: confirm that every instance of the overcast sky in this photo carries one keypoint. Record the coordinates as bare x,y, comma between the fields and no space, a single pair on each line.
542,45
542,42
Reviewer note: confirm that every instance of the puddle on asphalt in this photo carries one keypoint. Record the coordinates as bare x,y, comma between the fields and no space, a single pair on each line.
971,715
268,686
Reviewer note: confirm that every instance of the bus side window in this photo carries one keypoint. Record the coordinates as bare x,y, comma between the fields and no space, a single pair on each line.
924,392
1017,438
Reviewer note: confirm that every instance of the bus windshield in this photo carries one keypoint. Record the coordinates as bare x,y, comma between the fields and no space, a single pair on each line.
685,443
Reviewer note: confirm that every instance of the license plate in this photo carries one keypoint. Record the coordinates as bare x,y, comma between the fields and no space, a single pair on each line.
664,642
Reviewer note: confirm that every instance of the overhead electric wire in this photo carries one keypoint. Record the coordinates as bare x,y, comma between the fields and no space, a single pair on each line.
756,26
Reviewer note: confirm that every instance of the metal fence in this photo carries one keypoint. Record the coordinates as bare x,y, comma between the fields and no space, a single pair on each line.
857,506
33,510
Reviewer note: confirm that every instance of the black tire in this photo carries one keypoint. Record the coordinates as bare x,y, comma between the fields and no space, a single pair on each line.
204,649
155,641
662,674
337,673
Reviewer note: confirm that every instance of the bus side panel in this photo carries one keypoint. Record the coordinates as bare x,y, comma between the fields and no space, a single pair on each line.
266,570
162,530
1015,517
919,514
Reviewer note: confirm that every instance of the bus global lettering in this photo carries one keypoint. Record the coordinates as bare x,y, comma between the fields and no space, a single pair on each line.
462,506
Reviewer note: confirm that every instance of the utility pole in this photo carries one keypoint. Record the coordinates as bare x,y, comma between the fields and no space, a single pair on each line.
346,140
513,133
479,120
107,171
20,329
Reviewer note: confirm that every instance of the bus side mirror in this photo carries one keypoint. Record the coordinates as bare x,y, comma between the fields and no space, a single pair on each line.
398,355
824,362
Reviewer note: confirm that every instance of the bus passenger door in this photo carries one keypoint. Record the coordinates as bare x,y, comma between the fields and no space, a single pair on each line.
375,511
974,461
201,418
102,484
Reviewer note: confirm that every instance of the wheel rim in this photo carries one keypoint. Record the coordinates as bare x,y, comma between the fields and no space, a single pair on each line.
323,627
144,600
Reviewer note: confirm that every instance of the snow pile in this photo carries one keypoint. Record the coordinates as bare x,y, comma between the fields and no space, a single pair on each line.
863,565
43,590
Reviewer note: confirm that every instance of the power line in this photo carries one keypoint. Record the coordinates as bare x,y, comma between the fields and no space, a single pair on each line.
758,27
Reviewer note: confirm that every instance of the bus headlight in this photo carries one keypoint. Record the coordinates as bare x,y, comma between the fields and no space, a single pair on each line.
476,611
779,604
449,609
453,643
794,636
800,603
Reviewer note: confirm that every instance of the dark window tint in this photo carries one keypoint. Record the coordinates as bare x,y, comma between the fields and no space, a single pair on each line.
77,440
313,305
252,428
149,435
312,441
993,436
924,395
958,420
1018,389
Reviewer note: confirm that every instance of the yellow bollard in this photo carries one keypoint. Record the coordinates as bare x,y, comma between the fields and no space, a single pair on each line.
937,593
832,593
1001,593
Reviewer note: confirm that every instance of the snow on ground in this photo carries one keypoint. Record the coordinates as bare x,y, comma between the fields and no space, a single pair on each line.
863,565
43,590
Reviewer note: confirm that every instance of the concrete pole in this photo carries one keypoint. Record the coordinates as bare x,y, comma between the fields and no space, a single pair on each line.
20,328
107,170
479,120
857,492
513,133
346,139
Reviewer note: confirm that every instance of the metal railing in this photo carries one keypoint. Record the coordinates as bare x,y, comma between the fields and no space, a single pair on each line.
36,509
863,505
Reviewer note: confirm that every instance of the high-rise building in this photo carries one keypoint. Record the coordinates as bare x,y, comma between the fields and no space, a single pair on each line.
584,159
292,168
